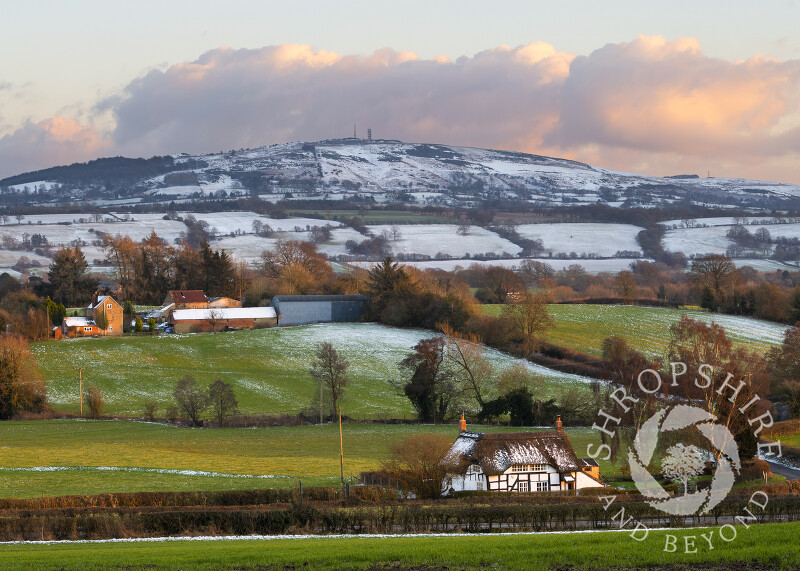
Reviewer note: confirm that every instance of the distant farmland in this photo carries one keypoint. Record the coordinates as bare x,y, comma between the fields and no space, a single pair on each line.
584,326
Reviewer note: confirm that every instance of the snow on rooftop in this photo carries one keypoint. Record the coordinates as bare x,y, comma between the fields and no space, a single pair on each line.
224,313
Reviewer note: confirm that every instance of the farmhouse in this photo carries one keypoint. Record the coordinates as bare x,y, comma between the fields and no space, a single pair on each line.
108,307
303,309
222,319
517,462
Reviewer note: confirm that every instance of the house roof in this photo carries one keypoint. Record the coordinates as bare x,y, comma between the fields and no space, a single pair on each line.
78,322
188,296
224,313
98,303
496,453
587,462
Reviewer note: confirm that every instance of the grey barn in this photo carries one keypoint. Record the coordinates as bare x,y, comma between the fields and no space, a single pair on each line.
302,309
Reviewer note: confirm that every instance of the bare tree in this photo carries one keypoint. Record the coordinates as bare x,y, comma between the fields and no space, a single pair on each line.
396,235
19,218
529,314
463,228
191,399
223,401
214,317
330,369
472,371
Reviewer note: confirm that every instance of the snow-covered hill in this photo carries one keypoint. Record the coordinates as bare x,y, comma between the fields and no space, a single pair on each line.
392,170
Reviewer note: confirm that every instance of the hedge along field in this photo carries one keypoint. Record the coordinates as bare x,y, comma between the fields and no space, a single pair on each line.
268,368
759,547
62,457
584,326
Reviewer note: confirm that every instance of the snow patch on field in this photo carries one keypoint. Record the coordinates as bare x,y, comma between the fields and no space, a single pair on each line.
432,239
590,238
140,470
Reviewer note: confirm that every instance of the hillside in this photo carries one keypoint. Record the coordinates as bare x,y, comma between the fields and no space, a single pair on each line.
268,368
379,171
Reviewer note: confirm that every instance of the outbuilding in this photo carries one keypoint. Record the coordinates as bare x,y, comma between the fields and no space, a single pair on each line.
222,319
304,309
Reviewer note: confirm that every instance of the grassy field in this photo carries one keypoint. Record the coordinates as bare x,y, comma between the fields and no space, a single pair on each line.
759,547
268,368
62,457
583,326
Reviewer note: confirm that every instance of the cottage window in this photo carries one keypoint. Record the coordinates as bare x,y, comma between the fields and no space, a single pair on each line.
529,468
524,486
542,487
87,328
480,485
110,306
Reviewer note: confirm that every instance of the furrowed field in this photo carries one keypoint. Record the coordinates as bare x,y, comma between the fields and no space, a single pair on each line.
268,368
67,457
583,327
767,546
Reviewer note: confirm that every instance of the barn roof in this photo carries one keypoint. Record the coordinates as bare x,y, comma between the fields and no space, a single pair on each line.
496,453
188,296
224,313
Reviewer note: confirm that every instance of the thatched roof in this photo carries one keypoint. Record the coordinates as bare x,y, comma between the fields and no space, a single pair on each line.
496,453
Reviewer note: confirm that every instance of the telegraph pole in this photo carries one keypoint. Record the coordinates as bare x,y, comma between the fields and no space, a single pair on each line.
341,450
80,387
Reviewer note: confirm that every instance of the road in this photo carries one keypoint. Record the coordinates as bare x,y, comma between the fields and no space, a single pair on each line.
785,471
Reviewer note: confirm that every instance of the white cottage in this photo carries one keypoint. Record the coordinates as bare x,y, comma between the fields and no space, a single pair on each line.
538,461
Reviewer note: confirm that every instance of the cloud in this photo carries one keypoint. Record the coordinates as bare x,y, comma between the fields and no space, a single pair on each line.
234,98
650,105
654,95
55,141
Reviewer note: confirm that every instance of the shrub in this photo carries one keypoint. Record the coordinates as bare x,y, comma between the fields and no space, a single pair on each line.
94,400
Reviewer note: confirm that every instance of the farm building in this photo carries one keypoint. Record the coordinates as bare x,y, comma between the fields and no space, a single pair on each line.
79,327
221,319
223,302
517,462
186,299
303,309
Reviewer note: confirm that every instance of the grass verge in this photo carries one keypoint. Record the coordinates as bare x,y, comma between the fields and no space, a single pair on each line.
759,547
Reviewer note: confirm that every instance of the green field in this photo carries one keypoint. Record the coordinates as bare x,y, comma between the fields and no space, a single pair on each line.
62,457
764,546
583,327
268,368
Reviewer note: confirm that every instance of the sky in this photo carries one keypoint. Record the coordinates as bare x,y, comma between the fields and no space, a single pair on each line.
653,88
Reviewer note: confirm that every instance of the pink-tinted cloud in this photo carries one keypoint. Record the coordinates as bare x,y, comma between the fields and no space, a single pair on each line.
650,105
51,142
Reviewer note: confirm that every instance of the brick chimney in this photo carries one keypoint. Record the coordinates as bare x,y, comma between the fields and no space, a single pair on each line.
462,425
559,426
